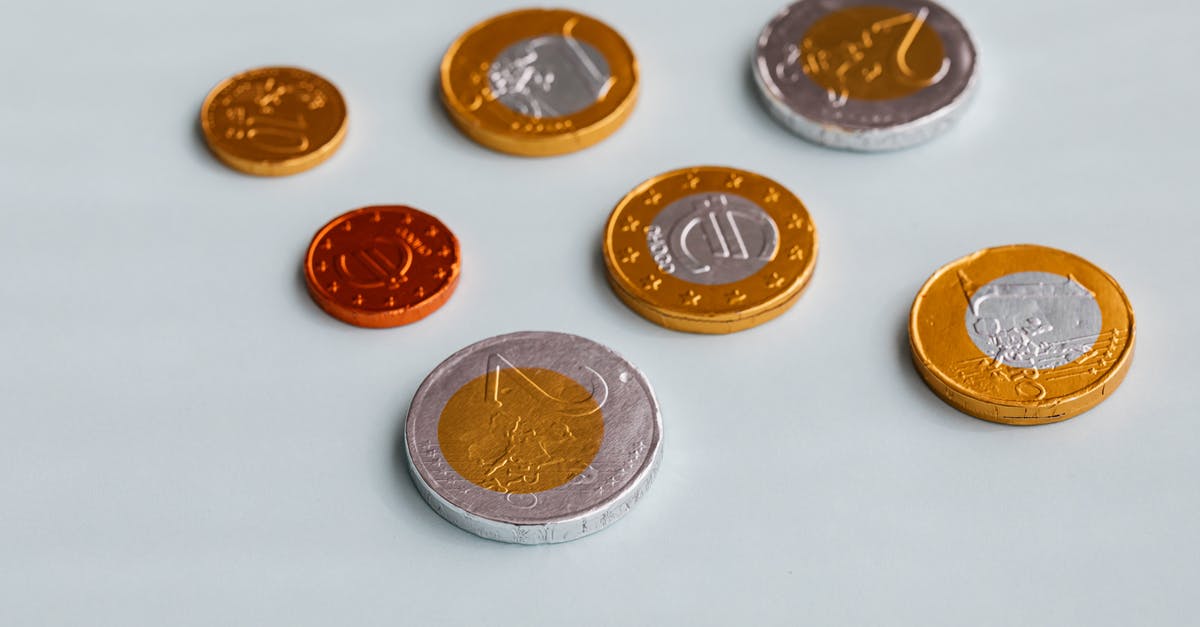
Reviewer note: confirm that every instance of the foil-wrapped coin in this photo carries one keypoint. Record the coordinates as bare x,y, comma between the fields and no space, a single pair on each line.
709,249
539,82
273,121
534,437
865,74
1022,334
382,266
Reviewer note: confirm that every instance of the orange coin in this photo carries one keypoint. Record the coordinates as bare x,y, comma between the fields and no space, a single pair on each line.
274,121
382,266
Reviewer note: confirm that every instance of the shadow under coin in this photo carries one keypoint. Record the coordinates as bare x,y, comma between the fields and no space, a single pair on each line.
304,300
754,99
442,116
199,144
413,505
612,303
934,407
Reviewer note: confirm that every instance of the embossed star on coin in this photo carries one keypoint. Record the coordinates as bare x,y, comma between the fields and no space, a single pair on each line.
1022,334
273,121
533,438
539,82
876,76
720,259
382,266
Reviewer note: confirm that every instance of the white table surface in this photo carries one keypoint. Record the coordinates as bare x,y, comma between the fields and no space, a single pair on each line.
186,440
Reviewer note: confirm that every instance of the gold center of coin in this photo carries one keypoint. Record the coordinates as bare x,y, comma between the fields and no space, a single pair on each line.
873,53
520,430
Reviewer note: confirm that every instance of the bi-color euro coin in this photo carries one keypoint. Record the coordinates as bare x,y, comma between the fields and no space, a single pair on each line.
273,121
539,82
1022,334
382,266
534,437
865,75
709,249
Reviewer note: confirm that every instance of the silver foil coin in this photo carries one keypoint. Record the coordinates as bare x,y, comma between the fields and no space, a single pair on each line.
534,437
867,75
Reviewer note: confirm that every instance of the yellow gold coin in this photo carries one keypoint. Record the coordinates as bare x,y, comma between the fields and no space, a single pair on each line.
534,444
539,82
709,249
1022,334
273,121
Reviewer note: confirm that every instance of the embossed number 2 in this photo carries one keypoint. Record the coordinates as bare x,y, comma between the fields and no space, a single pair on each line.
498,367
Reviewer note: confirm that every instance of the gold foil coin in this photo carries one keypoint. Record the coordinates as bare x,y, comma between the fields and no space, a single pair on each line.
273,121
1022,334
539,82
709,249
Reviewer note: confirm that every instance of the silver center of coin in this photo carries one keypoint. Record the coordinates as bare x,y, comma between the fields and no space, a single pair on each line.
712,239
549,76
1034,320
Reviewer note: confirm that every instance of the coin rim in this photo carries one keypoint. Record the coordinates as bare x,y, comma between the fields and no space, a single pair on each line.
889,139
700,324
381,319
1017,412
258,167
542,144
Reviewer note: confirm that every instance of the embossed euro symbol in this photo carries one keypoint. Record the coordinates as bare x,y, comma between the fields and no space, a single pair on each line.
713,231
383,263
501,373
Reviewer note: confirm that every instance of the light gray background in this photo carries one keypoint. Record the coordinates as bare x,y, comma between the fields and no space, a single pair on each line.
187,440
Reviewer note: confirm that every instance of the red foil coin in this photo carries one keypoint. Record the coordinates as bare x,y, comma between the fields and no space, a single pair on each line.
382,266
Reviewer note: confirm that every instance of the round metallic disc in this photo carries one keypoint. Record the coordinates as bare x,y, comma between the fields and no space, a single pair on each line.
539,82
1022,334
865,75
709,249
273,121
534,437
382,266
